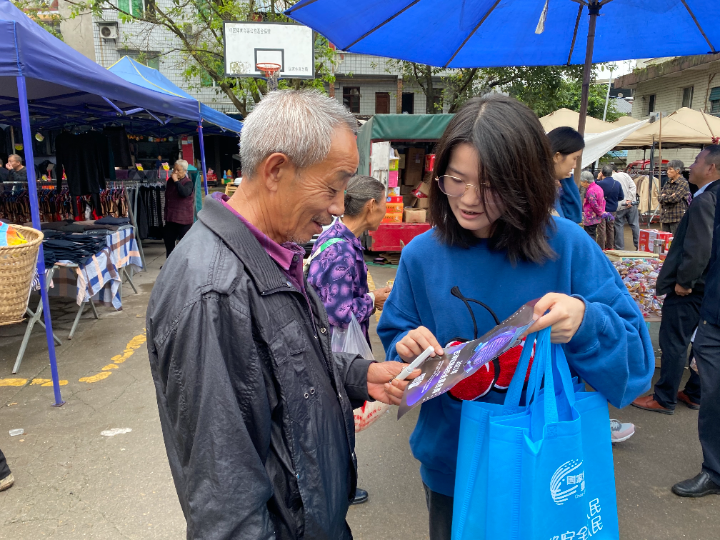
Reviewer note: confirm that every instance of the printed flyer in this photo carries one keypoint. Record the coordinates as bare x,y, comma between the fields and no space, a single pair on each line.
440,373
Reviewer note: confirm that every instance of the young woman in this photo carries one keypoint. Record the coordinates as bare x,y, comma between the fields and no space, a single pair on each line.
496,241
567,145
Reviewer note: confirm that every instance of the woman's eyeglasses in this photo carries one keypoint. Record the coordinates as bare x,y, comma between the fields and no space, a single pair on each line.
455,187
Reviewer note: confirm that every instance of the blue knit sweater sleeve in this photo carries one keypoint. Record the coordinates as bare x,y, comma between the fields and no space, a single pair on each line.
612,349
570,200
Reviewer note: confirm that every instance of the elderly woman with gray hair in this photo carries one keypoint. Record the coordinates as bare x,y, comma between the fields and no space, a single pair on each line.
178,205
337,269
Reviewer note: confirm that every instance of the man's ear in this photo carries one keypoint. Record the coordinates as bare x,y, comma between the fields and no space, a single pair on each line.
275,168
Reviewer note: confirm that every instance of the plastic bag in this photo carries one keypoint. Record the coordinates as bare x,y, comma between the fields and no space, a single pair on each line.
352,340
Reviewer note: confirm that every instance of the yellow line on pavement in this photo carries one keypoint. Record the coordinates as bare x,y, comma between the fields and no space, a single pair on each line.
132,345
33,382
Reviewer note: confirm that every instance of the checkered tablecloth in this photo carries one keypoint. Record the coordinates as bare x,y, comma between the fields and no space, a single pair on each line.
99,276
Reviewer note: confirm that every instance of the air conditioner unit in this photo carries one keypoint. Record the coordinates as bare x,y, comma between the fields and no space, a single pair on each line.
108,30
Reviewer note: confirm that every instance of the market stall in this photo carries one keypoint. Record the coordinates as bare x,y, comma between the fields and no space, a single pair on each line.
395,149
45,84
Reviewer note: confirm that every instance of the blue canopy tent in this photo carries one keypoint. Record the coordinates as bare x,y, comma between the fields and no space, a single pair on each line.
496,33
44,81
138,74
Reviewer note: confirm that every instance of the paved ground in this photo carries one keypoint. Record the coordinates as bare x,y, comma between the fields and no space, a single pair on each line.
72,482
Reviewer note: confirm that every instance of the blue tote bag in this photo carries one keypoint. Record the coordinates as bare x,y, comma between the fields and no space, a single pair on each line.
542,471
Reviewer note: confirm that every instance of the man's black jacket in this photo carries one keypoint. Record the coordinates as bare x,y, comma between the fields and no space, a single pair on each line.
232,347
689,255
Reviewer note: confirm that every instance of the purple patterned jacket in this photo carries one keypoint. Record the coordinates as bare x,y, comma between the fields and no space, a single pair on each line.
339,275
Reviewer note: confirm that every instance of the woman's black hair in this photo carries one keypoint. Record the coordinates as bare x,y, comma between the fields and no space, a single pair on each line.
565,140
515,161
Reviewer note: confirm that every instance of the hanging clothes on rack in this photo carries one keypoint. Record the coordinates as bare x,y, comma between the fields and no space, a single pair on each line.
149,200
85,160
117,136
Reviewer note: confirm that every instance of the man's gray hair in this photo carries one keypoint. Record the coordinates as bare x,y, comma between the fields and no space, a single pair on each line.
359,191
676,164
607,171
297,123
14,157
183,164
587,176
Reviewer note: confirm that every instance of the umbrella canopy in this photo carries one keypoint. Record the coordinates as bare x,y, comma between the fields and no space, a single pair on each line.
685,127
625,121
566,117
61,82
138,74
495,33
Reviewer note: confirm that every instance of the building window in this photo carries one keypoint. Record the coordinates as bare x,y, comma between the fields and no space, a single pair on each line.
351,98
651,104
715,101
688,96
136,8
408,102
382,103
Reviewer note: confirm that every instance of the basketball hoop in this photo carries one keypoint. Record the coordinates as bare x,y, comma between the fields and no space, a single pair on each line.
272,73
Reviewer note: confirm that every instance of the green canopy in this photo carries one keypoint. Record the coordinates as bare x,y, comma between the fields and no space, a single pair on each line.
398,127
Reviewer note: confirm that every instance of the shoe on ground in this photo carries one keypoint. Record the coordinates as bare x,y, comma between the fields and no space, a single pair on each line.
699,486
7,482
682,396
648,403
621,431
361,496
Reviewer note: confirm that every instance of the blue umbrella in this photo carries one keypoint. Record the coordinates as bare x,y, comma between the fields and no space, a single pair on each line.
494,33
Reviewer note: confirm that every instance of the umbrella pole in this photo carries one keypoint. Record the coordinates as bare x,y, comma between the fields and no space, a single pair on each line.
32,191
594,11
202,157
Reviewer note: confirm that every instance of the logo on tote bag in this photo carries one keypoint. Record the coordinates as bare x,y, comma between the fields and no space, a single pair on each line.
568,481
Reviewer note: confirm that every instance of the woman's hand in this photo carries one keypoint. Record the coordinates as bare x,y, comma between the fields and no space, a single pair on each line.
415,342
175,176
380,296
564,315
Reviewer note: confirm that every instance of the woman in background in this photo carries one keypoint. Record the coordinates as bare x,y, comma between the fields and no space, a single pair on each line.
566,145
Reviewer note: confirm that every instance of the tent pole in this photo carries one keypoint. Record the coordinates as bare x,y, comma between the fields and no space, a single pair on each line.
594,10
32,190
202,157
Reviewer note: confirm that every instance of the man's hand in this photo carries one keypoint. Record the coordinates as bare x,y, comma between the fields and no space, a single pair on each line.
380,296
415,342
681,291
379,378
564,315
628,204
8,166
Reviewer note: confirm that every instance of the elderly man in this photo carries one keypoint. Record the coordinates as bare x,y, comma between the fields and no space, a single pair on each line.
179,206
707,348
256,410
18,171
674,197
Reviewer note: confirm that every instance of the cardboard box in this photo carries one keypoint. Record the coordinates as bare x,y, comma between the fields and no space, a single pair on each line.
424,188
396,199
393,218
648,237
393,192
401,163
415,215
422,203
394,208
406,190
414,165
408,200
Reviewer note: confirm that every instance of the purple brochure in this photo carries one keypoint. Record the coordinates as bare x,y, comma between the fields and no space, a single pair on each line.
440,373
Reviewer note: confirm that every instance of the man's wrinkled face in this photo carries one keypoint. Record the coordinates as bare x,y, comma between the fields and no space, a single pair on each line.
309,201
701,171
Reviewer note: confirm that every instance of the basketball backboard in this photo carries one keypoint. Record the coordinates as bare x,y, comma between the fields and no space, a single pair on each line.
289,45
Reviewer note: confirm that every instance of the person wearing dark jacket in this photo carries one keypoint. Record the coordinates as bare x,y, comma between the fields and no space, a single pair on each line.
706,349
179,206
18,171
256,410
613,196
682,279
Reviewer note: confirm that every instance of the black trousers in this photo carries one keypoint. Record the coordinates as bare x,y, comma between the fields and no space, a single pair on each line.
4,469
173,232
680,317
440,508
707,354
592,231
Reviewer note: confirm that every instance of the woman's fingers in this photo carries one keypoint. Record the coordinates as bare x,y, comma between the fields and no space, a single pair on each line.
415,342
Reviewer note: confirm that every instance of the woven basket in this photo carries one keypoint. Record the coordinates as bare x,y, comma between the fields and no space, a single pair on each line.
17,268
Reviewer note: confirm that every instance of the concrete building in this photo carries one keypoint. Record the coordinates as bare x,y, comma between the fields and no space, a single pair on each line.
667,84
370,85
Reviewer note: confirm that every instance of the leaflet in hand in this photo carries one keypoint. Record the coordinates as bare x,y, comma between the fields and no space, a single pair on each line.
441,373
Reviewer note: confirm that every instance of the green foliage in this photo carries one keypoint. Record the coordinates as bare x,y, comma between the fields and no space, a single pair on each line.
197,33
38,11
